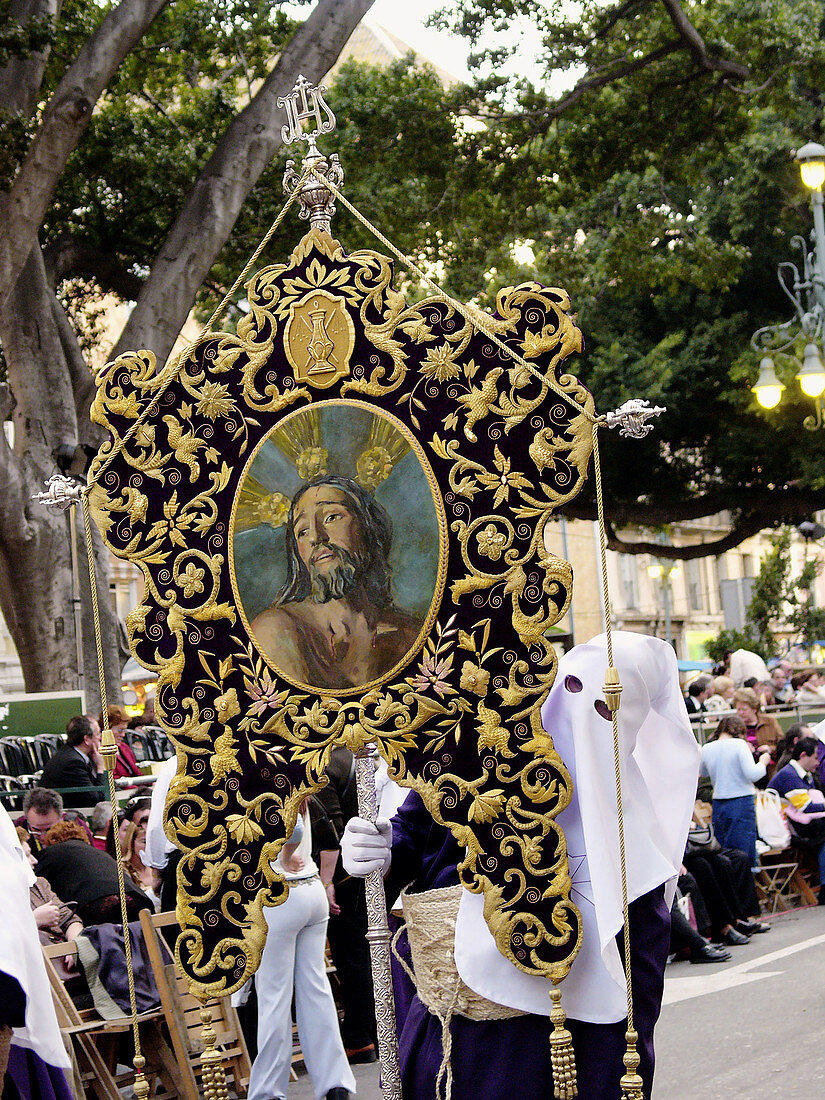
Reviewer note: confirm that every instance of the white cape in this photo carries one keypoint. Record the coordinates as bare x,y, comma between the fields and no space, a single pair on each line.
21,956
660,761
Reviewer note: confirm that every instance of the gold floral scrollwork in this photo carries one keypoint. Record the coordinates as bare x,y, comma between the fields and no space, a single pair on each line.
336,402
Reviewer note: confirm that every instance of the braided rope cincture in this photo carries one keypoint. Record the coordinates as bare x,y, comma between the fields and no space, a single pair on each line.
176,366
631,1082
108,751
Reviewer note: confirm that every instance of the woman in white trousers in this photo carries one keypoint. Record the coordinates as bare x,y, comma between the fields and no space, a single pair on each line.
293,959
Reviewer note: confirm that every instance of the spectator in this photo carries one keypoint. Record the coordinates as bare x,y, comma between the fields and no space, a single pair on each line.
722,697
808,689
101,824
727,888
125,763
729,763
782,689
42,808
683,936
745,665
147,878
76,870
136,811
803,801
784,750
293,961
78,765
765,692
762,731
56,922
697,692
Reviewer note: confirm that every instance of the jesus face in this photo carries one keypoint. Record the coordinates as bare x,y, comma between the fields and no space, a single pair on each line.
328,537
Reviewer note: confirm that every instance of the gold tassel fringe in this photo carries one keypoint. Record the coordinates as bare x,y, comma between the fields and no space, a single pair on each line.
214,1079
562,1056
631,1082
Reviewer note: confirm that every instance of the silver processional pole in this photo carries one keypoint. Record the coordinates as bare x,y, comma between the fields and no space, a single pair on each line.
308,117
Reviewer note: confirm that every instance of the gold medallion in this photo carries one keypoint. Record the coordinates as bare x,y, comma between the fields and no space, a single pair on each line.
319,340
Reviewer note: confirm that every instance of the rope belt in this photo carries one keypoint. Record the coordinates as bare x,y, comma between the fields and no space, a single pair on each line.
430,921
431,918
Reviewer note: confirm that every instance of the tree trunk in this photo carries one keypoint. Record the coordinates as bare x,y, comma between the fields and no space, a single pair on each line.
36,590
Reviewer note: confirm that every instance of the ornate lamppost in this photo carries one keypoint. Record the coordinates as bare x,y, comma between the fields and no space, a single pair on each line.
805,288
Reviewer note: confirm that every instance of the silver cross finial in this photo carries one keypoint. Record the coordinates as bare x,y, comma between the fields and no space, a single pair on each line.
305,103
630,418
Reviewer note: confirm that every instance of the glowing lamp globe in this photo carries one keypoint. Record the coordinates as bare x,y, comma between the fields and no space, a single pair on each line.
768,388
811,161
811,377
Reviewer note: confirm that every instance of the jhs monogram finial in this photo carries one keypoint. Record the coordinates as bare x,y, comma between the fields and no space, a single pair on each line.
305,103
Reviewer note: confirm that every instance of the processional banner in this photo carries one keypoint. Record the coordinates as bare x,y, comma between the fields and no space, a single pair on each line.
339,512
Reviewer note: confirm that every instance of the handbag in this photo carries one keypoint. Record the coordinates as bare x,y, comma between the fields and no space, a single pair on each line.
701,838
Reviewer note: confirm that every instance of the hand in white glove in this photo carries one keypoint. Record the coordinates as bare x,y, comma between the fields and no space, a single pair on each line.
366,847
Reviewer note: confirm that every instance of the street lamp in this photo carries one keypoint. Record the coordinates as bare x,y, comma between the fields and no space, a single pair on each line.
664,571
806,290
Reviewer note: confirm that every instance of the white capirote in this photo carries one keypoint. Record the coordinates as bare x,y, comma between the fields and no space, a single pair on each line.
659,763
20,954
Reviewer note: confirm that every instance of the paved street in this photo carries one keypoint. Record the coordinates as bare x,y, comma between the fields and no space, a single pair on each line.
731,1032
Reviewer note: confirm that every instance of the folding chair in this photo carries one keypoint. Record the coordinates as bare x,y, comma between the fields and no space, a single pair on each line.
183,1017
95,1043
780,882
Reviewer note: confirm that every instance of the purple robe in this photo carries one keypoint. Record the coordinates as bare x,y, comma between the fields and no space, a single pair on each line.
498,1059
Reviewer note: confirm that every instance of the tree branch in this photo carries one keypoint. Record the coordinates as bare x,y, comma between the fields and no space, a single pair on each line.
606,76
209,212
21,77
743,529
67,258
695,43
65,118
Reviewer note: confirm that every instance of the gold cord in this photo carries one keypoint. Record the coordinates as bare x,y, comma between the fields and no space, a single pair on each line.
460,307
109,753
631,1082
177,364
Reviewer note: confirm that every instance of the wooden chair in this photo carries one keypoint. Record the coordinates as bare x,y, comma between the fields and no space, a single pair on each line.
95,1043
182,1012
780,883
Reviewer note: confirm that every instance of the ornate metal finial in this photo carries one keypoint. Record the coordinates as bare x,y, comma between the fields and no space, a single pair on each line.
304,103
630,418
61,493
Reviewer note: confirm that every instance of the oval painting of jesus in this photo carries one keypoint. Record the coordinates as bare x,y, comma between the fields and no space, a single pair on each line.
339,546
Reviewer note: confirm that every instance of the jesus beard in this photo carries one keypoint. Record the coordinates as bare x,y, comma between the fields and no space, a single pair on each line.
340,579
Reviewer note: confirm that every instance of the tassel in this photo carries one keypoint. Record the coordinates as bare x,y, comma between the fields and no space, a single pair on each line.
562,1055
214,1079
631,1082
141,1085
612,689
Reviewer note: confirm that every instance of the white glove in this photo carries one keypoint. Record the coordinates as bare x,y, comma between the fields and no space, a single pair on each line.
366,847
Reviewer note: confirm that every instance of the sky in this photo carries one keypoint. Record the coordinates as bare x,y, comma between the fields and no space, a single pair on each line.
407,20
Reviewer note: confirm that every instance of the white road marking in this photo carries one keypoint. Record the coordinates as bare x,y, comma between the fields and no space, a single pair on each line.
683,989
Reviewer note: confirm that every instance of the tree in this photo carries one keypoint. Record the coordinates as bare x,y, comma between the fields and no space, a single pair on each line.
779,601
85,78
138,157
659,190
